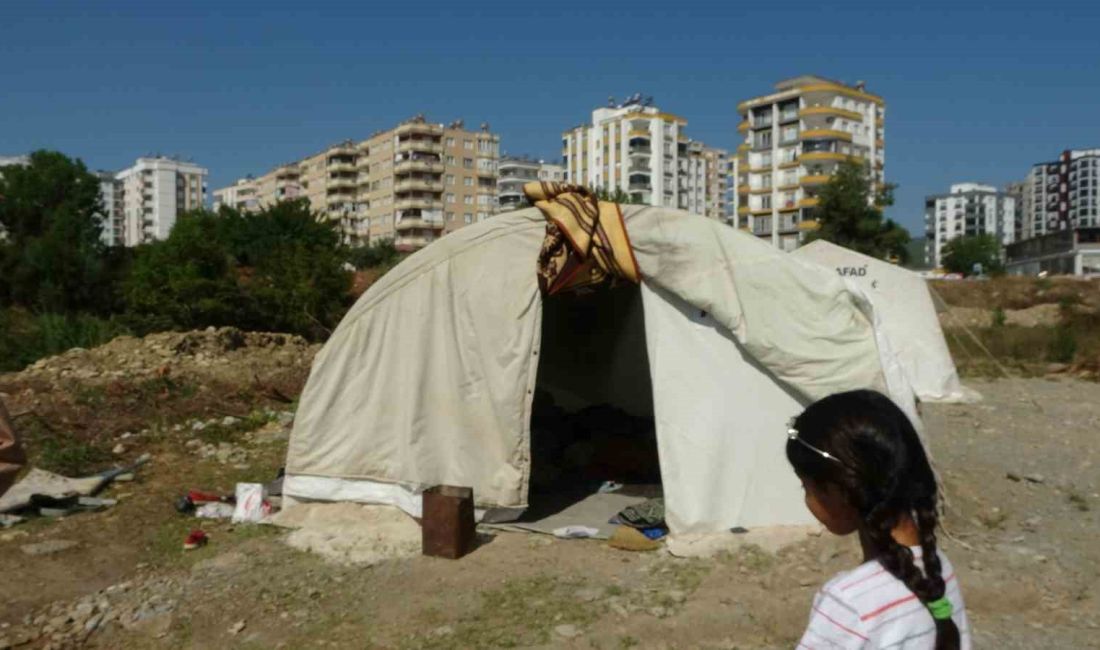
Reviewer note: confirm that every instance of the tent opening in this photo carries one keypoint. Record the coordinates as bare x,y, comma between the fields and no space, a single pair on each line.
592,416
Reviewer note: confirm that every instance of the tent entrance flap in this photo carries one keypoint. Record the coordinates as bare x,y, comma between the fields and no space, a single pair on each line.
592,416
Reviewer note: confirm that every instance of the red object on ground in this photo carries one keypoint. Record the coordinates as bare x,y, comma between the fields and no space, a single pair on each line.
196,539
198,496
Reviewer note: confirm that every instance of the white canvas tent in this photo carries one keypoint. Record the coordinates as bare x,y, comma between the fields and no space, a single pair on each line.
430,377
906,313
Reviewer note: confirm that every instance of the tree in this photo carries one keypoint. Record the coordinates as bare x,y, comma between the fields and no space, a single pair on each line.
279,270
848,217
618,196
51,255
962,253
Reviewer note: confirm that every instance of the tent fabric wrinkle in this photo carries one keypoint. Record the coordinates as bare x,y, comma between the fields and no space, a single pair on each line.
430,377
907,315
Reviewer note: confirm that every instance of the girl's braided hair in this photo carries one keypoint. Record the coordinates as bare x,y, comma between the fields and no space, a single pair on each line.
885,474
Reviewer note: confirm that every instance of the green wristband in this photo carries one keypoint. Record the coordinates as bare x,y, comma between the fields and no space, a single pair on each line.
941,609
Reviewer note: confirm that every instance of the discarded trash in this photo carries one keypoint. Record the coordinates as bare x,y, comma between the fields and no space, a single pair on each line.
655,533
194,498
39,484
7,521
195,539
610,486
575,532
251,506
215,510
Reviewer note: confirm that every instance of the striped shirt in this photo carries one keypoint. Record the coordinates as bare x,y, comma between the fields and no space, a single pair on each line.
870,608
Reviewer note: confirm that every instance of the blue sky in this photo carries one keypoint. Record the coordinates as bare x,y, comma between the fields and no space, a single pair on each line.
974,90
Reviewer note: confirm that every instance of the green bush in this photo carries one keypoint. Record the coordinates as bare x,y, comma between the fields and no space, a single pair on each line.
1063,345
278,270
381,254
26,337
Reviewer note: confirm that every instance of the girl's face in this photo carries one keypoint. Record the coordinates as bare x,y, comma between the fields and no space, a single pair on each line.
828,503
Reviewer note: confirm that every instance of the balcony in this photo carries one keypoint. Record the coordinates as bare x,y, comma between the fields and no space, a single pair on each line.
422,203
640,151
342,166
342,183
814,179
432,221
418,184
414,165
743,126
825,134
829,111
419,128
408,243
640,187
809,202
809,224
420,145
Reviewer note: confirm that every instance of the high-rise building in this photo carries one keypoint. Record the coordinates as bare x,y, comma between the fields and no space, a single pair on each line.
517,171
634,147
153,193
1062,194
239,196
410,184
794,139
968,209
110,195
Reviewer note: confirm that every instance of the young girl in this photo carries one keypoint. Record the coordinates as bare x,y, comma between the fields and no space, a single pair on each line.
864,470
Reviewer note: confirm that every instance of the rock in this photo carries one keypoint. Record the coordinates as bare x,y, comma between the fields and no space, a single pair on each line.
229,421
567,631
442,631
125,436
1035,478
237,628
587,595
198,426
658,612
677,596
93,623
119,449
48,547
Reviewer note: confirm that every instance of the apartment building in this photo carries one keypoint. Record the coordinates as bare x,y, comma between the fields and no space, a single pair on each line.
153,192
517,171
1062,194
968,209
241,195
719,175
111,218
635,147
794,139
410,184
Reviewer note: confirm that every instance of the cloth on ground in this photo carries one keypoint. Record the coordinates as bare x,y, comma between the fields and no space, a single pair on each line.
647,514
586,241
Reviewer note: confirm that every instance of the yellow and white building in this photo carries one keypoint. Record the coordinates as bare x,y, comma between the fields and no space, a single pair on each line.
637,148
410,184
792,142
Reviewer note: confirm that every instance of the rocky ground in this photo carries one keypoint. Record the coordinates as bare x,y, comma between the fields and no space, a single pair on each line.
1020,471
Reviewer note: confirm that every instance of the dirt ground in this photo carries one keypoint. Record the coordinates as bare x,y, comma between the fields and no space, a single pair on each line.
1021,473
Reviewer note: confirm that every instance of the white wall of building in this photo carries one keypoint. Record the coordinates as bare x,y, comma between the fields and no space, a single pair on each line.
969,209
154,192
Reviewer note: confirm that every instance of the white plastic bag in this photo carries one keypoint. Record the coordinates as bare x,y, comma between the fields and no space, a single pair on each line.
251,506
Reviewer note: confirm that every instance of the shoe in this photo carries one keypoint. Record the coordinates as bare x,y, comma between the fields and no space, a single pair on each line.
196,539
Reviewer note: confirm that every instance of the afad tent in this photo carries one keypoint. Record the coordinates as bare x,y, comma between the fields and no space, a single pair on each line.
906,313
430,377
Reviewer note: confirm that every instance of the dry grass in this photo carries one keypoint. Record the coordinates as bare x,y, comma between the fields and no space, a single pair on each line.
1018,293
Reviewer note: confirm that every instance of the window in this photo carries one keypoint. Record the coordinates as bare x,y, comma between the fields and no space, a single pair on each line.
468,181
450,216
450,142
468,163
485,146
449,198
468,200
484,199
766,201
449,179
468,145
468,218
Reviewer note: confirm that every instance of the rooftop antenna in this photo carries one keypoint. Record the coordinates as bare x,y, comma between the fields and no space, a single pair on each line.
611,101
